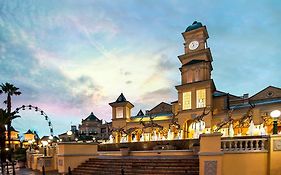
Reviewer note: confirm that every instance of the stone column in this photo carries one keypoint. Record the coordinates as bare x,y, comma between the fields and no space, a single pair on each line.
274,154
73,154
210,154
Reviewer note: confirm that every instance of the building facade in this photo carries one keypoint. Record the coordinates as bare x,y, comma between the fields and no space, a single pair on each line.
15,140
200,107
93,127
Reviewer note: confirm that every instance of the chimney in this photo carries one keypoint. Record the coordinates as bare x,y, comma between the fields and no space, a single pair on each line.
245,96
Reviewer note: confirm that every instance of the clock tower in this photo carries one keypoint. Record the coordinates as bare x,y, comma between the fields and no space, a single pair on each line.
196,88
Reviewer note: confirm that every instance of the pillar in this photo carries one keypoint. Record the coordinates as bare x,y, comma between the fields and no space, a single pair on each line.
210,154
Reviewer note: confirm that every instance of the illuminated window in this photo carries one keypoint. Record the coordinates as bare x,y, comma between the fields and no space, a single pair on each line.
119,112
186,96
201,98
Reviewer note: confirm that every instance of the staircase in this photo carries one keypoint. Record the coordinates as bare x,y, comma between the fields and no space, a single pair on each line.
139,165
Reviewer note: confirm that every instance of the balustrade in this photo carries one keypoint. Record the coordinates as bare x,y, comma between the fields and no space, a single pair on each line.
244,145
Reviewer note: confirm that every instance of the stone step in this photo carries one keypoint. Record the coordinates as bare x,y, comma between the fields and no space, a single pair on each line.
141,166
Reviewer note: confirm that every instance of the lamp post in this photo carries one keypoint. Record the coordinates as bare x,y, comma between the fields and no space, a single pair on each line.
45,143
69,134
30,144
275,114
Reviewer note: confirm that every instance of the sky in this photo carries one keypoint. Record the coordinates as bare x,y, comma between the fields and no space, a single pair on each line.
72,57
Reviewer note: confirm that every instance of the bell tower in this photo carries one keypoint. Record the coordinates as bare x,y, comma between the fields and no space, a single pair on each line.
196,88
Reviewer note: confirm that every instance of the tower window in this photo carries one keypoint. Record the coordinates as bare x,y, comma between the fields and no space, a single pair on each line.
201,98
119,112
186,96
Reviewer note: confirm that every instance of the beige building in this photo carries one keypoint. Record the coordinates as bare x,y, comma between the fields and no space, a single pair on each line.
200,108
15,141
93,127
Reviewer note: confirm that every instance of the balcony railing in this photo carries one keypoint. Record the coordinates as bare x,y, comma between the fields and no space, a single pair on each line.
239,145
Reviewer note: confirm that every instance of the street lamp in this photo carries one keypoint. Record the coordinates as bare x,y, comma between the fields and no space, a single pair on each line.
275,114
45,143
69,133
30,144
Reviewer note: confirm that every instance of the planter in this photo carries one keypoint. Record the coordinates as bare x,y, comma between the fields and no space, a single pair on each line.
124,151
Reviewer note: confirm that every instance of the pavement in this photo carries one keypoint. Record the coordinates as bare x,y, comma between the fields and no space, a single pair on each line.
26,171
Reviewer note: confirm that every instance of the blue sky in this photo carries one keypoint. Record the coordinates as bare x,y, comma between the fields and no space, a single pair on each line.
72,57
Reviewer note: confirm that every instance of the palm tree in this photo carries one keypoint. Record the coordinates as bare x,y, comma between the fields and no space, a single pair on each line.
5,118
10,90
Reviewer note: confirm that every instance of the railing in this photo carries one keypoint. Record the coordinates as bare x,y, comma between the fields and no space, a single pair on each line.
244,145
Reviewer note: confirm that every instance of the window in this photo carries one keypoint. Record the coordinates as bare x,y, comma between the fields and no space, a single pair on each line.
201,98
119,112
186,102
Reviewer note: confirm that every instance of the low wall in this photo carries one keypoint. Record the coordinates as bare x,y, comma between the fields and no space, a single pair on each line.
150,145
259,155
245,163
157,153
73,154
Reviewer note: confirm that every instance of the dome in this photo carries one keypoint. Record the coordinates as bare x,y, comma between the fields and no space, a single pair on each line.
195,25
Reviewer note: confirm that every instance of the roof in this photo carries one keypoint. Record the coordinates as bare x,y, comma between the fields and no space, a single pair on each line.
154,115
244,105
195,62
29,132
13,129
219,93
55,138
121,99
140,113
267,93
195,25
92,117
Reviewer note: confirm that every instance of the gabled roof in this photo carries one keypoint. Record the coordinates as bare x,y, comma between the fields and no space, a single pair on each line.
92,117
29,132
269,92
161,108
140,113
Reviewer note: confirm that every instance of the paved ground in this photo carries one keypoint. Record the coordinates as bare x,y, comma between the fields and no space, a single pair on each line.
25,171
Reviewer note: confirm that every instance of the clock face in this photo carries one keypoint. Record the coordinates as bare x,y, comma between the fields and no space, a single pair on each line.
193,45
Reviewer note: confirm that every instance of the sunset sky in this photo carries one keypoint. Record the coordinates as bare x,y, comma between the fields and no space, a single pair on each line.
72,57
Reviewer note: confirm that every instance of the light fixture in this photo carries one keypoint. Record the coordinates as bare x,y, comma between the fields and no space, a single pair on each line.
275,114
45,143
69,133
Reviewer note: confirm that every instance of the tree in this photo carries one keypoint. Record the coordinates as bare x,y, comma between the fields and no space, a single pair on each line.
10,90
5,118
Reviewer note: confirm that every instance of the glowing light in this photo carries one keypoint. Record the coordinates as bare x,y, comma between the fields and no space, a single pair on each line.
275,114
